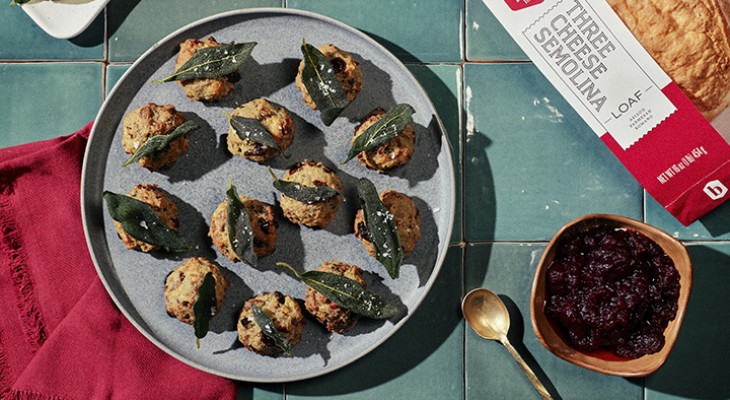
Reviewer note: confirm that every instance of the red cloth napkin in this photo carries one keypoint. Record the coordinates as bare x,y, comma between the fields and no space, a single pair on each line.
61,336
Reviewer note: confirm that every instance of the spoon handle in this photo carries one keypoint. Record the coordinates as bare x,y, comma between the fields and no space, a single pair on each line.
528,371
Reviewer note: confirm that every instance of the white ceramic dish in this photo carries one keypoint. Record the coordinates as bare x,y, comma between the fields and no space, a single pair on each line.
64,19
198,182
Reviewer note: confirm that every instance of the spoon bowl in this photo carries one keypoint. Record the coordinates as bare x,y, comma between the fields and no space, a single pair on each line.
487,315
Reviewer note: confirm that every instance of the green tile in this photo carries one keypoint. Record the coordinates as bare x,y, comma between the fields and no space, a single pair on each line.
491,373
114,72
249,391
134,26
713,226
443,85
423,360
47,99
697,366
486,38
400,26
530,163
24,40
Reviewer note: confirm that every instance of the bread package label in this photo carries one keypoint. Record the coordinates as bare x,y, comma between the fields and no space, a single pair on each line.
645,97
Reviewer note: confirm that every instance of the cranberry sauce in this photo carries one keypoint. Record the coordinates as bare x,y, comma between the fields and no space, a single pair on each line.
612,290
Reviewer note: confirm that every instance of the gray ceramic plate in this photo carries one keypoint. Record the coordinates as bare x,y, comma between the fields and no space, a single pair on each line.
199,180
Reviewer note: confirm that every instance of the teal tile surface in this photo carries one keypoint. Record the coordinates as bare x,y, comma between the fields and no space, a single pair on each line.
486,38
134,26
491,373
713,226
524,161
697,366
114,73
249,391
48,99
22,39
416,30
423,360
530,162
443,85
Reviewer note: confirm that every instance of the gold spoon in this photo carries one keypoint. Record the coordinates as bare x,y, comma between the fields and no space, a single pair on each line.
487,315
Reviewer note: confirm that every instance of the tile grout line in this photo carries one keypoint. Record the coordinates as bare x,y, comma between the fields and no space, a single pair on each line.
463,323
461,104
105,63
462,150
462,31
463,243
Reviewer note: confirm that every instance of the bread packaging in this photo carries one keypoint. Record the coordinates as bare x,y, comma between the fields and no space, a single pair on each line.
650,77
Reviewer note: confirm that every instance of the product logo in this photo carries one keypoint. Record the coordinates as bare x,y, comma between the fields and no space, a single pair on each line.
715,189
520,4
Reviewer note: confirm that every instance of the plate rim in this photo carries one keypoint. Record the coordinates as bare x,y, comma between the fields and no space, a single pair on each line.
87,210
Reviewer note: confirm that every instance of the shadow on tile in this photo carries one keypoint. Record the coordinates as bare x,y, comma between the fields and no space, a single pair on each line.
122,9
712,227
480,216
248,391
717,222
443,85
402,54
516,337
93,35
697,366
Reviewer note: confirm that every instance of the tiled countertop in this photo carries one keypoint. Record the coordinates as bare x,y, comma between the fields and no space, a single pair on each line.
526,164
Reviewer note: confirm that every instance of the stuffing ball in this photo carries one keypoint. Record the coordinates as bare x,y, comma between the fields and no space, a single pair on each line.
347,71
161,204
182,285
153,120
275,119
208,89
284,312
407,221
393,153
263,224
317,214
334,318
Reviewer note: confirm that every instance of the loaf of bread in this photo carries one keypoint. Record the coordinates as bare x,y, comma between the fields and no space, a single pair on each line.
689,40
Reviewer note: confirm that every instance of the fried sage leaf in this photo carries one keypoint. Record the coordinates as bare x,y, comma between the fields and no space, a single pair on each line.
322,85
252,129
381,227
158,143
141,222
346,293
213,62
305,194
238,223
204,307
269,330
388,127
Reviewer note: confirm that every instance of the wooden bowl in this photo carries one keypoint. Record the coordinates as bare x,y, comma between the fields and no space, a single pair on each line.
603,361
